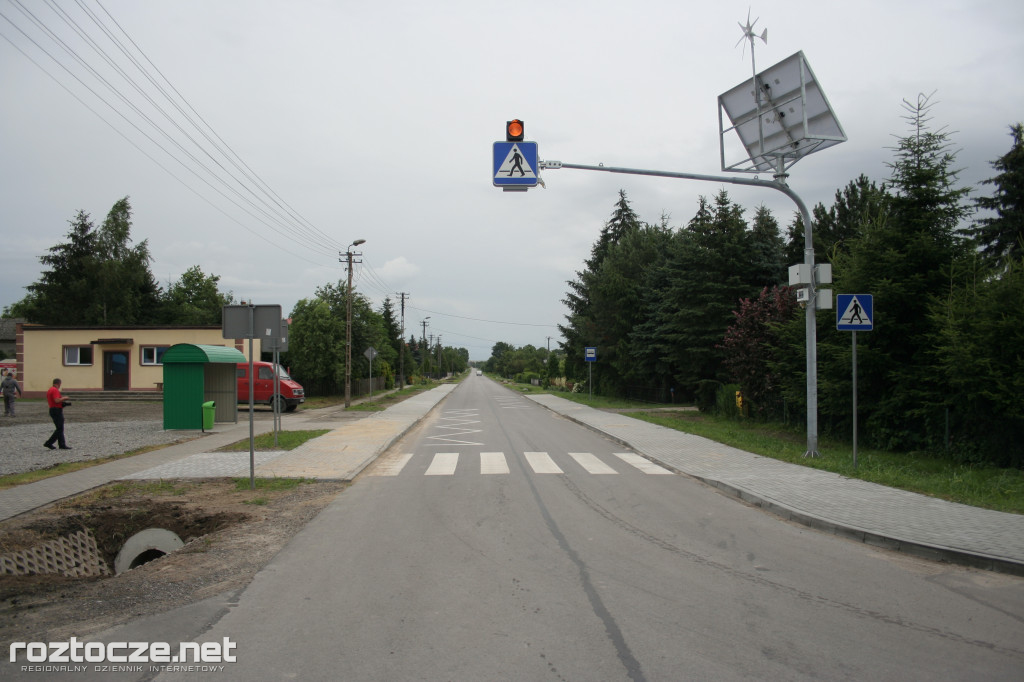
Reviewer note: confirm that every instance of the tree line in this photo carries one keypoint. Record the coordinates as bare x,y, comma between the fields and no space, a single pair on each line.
99,277
317,344
525,363
682,311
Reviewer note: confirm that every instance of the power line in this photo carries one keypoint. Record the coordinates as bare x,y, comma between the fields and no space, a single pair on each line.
241,187
476,319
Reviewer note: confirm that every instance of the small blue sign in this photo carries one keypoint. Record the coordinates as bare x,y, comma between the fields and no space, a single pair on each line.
515,164
590,355
855,312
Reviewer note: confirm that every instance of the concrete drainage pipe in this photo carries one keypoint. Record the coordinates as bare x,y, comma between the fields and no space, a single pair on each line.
145,546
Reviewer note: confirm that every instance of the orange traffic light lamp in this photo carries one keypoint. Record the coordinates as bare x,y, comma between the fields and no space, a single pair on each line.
514,131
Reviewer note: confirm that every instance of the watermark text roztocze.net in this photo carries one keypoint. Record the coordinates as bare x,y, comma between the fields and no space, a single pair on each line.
74,651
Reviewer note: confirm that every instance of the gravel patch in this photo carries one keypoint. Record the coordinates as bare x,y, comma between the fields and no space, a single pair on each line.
22,444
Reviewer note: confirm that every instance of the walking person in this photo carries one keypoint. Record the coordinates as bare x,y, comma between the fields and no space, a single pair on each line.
9,386
56,402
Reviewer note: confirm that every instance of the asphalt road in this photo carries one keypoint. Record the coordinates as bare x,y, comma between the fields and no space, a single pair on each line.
445,561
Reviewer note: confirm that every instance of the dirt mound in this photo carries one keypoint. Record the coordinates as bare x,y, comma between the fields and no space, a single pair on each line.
229,534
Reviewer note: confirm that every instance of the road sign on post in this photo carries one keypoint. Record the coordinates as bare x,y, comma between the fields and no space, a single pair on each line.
515,166
855,313
370,354
252,322
590,355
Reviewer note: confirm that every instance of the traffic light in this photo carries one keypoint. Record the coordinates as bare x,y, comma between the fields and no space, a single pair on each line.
514,130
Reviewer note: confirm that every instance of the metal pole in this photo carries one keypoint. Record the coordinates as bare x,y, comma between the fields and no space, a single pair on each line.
277,392
811,330
252,382
854,400
348,336
401,348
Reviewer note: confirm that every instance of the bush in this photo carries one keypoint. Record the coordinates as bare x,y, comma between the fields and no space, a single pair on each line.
725,402
707,395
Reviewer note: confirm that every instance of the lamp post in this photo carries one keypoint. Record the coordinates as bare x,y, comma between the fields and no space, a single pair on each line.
348,325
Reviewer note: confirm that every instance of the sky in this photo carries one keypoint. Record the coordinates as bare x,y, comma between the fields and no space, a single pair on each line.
282,132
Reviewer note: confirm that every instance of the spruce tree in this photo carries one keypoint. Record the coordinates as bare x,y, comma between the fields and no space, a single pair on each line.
1001,236
903,258
582,329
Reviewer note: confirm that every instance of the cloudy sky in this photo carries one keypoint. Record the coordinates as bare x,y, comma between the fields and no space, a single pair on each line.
283,131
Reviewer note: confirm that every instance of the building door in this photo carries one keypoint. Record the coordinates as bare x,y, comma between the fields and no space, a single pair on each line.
115,370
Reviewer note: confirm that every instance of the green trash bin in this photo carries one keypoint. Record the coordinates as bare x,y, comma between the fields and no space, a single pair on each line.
208,415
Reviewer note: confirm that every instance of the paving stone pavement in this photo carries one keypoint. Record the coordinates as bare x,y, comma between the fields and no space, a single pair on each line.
865,511
339,454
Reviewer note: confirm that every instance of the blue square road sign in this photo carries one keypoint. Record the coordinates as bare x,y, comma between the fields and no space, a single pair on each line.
855,312
515,165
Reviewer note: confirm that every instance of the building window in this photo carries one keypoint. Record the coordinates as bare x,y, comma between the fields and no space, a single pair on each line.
77,355
153,355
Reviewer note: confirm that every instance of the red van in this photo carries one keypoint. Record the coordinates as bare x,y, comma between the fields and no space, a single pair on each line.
291,393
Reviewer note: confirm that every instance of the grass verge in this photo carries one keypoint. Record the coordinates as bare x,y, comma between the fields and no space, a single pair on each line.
367,404
267,485
975,485
286,440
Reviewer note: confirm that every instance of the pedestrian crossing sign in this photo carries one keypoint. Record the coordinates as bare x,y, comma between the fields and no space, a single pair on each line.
515,165
854,312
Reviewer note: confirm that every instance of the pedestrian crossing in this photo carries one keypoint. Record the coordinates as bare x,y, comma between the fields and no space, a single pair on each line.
497,463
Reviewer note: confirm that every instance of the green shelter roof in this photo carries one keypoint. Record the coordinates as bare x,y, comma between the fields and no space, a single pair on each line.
201,353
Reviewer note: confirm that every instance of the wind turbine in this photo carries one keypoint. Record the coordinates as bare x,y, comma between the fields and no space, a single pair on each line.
748,34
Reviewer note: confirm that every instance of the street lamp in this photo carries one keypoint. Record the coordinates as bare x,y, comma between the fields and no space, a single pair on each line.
348,324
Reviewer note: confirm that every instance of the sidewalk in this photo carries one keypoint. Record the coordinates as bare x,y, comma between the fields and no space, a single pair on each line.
871,513
341,454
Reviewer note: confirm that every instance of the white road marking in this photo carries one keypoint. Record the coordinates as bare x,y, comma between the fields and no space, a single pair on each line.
392,466
591,463
456,425
443,464
644,465
493,463
541,463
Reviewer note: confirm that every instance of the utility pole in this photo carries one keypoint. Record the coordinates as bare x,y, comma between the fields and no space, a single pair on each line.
425,351
348,324
401,347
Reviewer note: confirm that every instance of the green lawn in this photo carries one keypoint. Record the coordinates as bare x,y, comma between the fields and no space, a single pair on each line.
979,486
286,440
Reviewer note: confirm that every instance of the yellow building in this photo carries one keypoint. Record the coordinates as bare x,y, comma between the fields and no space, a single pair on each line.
105,358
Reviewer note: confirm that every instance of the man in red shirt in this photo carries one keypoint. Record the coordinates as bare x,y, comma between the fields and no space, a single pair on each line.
56,402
